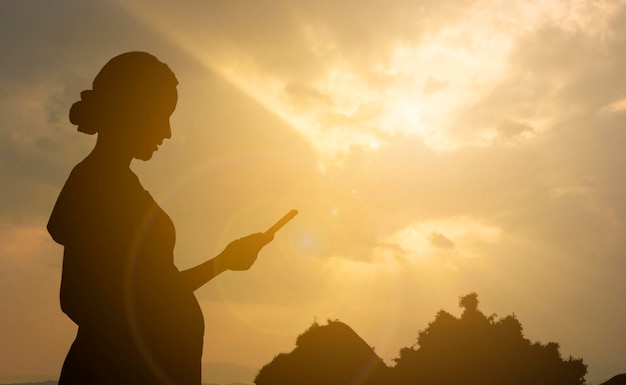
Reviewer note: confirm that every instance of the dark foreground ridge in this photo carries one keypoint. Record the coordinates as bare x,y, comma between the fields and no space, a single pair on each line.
620,379
471,349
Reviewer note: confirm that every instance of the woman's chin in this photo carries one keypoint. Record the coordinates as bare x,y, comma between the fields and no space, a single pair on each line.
145,156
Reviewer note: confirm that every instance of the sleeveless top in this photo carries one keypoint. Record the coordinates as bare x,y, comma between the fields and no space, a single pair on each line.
138,320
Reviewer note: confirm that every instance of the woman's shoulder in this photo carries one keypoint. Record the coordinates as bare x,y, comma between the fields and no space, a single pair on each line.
93,193
71,201
91,174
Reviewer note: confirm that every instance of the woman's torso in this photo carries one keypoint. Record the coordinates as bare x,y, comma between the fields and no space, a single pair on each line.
119,282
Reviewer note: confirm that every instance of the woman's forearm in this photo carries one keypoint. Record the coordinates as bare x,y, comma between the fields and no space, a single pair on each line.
197,276
240,254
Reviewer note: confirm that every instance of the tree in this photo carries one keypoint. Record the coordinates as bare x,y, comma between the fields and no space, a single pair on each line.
476,349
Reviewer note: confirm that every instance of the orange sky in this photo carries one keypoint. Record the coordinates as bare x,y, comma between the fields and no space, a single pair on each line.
433,148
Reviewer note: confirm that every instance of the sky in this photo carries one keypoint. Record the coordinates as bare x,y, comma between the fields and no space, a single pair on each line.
433,148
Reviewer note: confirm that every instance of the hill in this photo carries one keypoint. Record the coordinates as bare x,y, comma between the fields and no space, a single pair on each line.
620,379
331,354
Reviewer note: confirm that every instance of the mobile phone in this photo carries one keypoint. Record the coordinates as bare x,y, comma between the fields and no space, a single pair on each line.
282,221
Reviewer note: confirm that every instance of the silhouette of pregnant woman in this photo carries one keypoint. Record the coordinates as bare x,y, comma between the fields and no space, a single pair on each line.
138,319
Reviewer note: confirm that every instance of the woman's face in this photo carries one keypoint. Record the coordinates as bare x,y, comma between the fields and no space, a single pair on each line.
149,122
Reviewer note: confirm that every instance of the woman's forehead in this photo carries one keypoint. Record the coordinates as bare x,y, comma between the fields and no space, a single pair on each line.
159,96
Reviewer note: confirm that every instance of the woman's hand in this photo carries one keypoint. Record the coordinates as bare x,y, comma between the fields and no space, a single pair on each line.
241,253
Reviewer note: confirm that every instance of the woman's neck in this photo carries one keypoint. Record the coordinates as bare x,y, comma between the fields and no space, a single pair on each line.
111,153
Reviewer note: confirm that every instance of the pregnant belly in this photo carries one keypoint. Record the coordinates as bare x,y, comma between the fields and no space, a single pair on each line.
168,320
169,334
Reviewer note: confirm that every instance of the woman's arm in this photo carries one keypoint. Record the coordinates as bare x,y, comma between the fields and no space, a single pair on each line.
239,255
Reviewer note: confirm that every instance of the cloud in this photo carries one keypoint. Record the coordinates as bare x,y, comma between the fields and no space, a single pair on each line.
432,85
548,81
510,130
441,241
30,270
26,247
423,240
306,96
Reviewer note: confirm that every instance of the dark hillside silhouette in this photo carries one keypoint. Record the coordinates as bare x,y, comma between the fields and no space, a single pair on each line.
331,354
471,350
620,379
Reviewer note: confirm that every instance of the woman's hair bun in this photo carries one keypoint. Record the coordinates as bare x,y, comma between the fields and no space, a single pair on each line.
81,113
121,84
